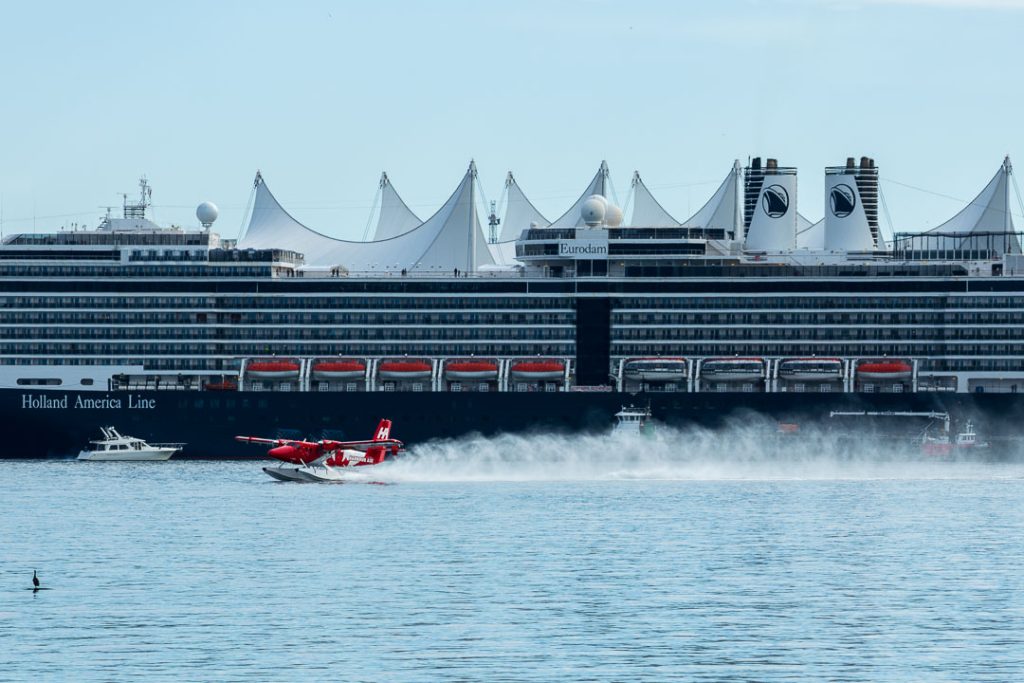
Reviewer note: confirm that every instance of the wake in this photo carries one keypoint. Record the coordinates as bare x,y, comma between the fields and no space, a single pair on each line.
734,453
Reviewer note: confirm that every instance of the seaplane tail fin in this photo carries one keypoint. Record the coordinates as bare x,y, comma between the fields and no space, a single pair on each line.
383,431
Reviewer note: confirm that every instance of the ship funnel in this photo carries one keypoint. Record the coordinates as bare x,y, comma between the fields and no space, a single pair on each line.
769,207
851,206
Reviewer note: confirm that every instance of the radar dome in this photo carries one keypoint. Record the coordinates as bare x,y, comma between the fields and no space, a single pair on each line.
207,213
593,209
613,216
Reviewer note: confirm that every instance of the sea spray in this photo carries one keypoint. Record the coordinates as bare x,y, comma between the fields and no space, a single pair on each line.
751,448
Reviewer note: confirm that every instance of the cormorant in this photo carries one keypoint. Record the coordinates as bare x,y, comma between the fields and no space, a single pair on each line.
35,580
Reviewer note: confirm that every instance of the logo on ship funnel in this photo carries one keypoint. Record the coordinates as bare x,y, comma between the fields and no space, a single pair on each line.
843,200
775,201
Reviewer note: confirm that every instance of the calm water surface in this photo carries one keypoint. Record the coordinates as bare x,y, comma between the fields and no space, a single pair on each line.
210,571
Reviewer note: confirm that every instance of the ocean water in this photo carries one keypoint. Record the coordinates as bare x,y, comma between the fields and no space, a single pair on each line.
687,557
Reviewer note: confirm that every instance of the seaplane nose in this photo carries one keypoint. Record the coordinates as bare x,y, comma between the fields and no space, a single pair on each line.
287,453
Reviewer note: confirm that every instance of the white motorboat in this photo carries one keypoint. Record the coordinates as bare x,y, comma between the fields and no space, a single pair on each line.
117,447
633,421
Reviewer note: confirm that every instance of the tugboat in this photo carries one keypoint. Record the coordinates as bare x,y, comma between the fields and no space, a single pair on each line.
942,444
116,447
633,420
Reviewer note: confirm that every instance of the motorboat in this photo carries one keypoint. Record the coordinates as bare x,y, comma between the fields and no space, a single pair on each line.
632,420
117,447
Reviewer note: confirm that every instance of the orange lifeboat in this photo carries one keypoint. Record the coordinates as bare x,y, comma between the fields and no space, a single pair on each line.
470,369
538,369
273,369
889,369
339,369
404,369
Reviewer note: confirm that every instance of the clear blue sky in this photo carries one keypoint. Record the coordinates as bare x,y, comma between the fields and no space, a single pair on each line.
322,96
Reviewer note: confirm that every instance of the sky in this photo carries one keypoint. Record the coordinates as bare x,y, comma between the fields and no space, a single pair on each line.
322,96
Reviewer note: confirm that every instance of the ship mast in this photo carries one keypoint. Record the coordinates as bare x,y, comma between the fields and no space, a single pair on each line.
138,209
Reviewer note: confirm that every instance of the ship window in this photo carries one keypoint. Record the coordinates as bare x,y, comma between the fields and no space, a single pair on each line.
351,386
485,387
87,382
323,386
39,382
826,387
456,386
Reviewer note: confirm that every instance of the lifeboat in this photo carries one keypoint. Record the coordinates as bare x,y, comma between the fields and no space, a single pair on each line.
339,369
273,369
655,369
404,369
538,369
888,369
732,369
811,369
470,369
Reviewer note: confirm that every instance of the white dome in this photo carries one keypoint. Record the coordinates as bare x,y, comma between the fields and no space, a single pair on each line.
207,213
613,216
593,209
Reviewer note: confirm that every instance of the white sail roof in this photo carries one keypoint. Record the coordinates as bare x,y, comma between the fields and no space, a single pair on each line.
395,215
989,211
451,238
519,212
599,185
647,211
722,210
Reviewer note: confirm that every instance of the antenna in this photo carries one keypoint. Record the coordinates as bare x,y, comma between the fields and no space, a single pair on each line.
493,222
138,209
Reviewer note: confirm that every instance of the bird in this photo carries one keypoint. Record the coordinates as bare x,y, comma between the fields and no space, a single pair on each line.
35,580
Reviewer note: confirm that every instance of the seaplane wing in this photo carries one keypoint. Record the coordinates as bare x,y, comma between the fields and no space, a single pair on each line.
363,445
258,439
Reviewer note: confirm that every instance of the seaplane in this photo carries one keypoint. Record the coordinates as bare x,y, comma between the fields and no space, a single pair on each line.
326,460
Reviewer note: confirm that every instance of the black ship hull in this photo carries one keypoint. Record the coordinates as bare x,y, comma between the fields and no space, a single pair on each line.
57,424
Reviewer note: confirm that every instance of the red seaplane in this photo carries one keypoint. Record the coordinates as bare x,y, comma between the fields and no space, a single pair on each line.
320,460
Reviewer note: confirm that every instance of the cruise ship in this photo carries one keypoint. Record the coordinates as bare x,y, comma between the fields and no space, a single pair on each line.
452,325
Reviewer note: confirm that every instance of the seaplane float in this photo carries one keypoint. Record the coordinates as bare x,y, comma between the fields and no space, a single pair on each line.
326,460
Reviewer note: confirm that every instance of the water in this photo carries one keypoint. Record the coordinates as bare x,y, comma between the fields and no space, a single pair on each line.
520,558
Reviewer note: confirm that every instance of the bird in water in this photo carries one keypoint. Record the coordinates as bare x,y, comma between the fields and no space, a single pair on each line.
35,580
